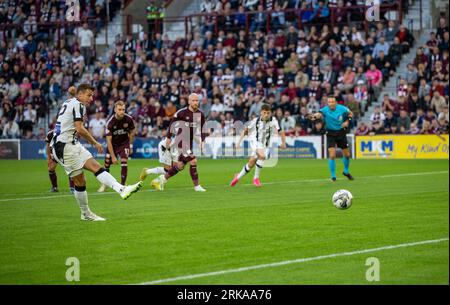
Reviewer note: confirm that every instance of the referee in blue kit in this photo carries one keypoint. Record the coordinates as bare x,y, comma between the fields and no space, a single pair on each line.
337,120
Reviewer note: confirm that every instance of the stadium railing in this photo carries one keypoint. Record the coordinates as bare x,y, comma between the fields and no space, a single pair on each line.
356,15
68,28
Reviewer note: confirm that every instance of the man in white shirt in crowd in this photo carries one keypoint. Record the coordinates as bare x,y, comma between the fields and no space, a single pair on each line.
11,130
86,38
97,125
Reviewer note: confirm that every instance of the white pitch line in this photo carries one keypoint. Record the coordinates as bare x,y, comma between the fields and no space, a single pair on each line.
247,184
295,261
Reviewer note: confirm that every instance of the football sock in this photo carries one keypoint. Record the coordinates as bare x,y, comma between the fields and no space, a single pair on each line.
82,199
71,183
259,166
53,179
107,163
123,172
172,172
332,165
194,174
156,171
104,177
346,162
245,170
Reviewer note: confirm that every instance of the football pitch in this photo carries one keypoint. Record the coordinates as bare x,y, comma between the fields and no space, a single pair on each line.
286,232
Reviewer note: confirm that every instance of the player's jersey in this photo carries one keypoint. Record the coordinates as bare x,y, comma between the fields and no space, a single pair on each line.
192,121
119,130
261,131
334,118
72,110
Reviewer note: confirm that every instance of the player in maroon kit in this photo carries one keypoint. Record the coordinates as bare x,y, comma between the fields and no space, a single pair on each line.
119,139
186,123
51,164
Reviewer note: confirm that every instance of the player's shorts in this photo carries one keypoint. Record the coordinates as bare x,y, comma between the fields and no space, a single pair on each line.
71,157
186,157
337,138
122,151
167,156
256,145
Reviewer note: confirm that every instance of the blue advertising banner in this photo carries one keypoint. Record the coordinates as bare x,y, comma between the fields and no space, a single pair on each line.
147,148
143,148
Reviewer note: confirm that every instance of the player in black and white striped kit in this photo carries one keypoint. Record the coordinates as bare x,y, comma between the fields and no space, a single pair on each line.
260,131
73,157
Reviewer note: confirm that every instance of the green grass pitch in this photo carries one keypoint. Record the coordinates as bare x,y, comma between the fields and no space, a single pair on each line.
162,235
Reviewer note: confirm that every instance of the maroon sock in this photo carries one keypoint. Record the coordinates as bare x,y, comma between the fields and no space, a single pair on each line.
107,163
124,173
71,183
194,174
172,172
53,179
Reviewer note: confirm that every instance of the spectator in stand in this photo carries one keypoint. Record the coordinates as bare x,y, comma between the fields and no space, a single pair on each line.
259,19
444,114
86,40
374,79
377,116
97,125
376,129
288,123
413,130
390,121
438,102
361,95
380,46
404,122
362,129
411,75
427,128
11,130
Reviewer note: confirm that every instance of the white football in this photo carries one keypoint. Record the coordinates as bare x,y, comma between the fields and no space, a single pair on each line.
342,199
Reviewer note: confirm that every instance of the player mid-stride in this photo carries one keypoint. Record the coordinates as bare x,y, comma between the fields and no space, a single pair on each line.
260,131
119,141
337,119
73,157
187,122
168,157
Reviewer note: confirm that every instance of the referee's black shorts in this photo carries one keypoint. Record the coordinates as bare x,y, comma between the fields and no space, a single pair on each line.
337,138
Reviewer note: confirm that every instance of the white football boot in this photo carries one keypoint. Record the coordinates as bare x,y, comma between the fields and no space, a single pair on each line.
199,188
128,190
89,216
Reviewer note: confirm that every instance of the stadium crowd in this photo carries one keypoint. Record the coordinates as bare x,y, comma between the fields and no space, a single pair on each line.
38,62
422,99
293,66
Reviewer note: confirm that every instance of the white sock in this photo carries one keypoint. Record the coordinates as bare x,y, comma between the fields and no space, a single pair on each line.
259,165
108,180
245,170
82,200
156,171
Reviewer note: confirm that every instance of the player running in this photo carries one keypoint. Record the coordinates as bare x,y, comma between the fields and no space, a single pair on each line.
51,164
70,154
168,157
119,140
260,131
187,121
337,119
